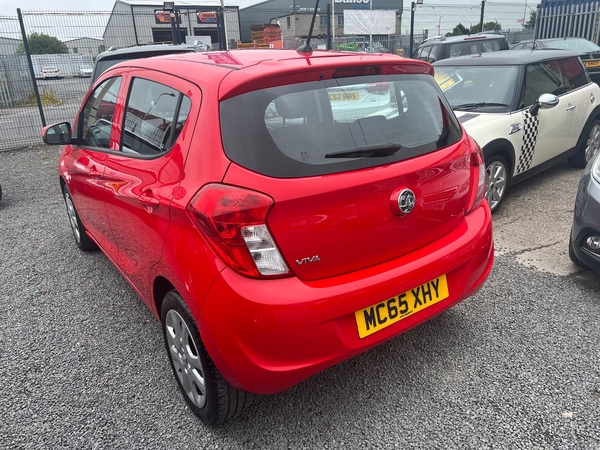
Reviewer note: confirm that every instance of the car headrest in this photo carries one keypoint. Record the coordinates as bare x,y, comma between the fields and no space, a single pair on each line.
297,105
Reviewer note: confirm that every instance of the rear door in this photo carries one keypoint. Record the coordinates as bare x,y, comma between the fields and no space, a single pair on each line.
143,175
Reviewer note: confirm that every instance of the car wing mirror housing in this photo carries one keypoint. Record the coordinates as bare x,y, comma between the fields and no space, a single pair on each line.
57,134
545,101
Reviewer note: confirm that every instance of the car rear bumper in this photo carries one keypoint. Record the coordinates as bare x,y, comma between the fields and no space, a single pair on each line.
268,335
586,220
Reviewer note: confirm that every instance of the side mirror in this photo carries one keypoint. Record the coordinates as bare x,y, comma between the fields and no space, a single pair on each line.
57,134
545,101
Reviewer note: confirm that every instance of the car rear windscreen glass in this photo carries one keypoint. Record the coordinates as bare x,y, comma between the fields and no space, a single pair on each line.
336,125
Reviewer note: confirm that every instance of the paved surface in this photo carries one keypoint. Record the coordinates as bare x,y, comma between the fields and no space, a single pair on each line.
82,363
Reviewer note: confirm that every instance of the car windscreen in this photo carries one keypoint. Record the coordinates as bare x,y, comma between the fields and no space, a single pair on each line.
336,125
482,88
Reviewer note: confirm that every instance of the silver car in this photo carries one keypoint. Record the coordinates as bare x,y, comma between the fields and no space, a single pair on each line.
584,244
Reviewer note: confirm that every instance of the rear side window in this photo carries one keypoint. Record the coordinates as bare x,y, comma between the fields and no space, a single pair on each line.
573,73
155,115
336,125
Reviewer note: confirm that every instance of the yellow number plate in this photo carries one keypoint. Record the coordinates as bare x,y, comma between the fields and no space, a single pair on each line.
594,63
344,97
377,317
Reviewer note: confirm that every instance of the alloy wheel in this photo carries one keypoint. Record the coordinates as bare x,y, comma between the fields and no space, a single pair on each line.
593,143
496,183
186,358
73,217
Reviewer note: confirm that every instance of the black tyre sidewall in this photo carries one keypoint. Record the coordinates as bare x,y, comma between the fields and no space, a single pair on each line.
84,243
578,160
499,158
209,414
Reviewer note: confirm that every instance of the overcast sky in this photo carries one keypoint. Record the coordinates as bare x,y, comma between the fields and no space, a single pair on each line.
9,7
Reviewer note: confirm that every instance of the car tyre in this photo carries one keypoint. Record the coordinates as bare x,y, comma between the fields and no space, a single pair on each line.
588,147
573,256
498,181
84,242
204,389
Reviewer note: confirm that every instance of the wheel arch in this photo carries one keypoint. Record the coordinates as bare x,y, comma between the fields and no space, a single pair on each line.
160,288
503,147
595,115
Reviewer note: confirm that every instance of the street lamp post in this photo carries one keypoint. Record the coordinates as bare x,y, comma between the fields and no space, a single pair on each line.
413,8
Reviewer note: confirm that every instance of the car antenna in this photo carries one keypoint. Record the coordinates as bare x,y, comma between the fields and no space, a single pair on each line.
306,48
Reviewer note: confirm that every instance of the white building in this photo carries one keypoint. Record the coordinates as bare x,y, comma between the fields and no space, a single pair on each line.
85,46
136,22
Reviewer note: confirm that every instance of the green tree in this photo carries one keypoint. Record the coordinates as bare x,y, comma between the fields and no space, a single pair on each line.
530,24
487,26
458,30
42,44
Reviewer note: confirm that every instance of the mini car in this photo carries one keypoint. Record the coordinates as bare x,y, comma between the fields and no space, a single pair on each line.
85,70
527,110
587,51
271,235
50,72
442,47
584,241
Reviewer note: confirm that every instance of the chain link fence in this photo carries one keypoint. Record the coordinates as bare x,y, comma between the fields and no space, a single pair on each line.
83,35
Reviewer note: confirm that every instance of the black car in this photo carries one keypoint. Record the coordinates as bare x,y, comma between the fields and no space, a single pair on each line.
113,56
442,47
588,51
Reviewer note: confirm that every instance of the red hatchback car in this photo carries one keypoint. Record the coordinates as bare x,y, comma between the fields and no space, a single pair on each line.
278,212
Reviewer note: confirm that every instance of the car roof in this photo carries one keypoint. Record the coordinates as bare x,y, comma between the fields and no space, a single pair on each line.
507,57
466,37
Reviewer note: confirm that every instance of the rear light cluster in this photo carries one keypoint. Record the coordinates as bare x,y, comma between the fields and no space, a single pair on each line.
479,177
377,88
233,221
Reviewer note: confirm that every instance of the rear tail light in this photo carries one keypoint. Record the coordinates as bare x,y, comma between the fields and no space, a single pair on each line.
233,221
478,176
377,88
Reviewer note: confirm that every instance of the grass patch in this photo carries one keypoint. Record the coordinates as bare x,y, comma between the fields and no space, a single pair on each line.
46,96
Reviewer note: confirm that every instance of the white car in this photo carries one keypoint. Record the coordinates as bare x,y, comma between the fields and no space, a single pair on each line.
85,70
50,72
528,110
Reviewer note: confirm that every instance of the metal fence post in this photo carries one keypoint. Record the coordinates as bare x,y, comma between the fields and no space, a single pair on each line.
35,86
329,25
412,28
482,16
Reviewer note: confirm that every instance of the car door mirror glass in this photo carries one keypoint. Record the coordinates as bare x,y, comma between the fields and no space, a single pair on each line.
57,134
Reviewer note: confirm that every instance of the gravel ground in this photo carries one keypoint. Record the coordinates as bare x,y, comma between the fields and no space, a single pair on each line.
82,363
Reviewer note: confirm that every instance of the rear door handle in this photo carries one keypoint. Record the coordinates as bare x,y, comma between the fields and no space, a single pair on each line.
94,172
571,107
147,199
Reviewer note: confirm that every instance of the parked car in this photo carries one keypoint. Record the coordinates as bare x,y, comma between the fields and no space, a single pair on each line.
269,239
527,110
584,241
115,55
50,72
442,47
587,51
85,70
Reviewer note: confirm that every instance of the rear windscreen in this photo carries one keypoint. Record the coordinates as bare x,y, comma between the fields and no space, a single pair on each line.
336,125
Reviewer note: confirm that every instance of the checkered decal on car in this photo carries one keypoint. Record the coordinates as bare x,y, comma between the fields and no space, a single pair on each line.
530,131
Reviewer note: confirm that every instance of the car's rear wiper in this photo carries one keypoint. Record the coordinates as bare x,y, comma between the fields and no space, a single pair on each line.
476,105
367,151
